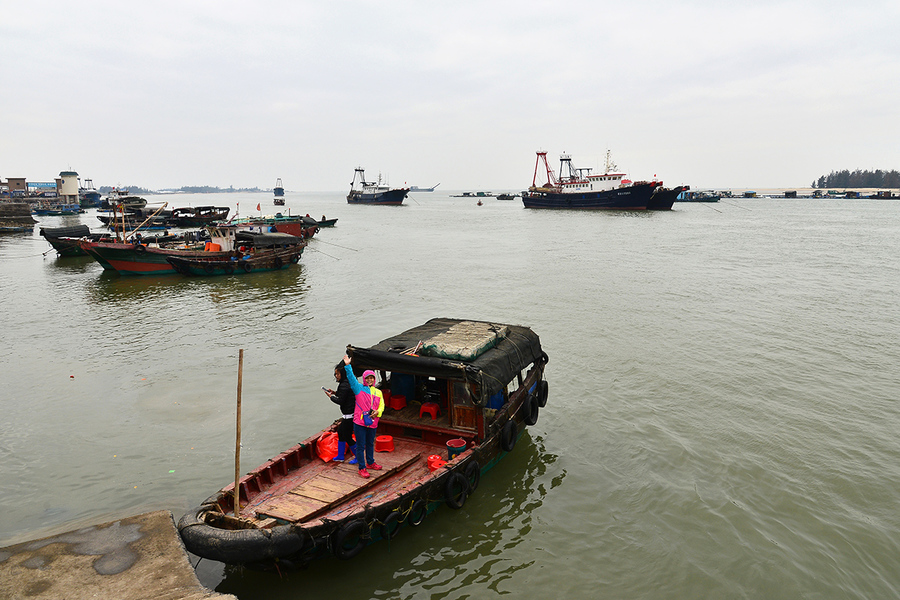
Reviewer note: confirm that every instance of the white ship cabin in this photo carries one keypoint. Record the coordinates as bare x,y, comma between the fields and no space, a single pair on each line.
222,236
574,180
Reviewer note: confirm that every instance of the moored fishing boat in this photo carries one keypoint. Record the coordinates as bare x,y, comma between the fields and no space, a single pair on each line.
663,198
373,192
88,196
698,196
65,239
141,256
247,262
579,189
304,226
199,216
459,394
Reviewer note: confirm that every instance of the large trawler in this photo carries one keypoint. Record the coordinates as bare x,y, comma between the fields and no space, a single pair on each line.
377,192
577,188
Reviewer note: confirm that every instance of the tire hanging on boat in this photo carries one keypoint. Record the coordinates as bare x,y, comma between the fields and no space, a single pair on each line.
229,269
277,262
295,258
532,409
473,475
140,248
455,490
354,530
208,267
240,546
391,525
508,436
247,267
417,512
543,394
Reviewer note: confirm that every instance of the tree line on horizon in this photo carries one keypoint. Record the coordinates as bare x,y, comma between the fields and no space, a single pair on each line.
859,179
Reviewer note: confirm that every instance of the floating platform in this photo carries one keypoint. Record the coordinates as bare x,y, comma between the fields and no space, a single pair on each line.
133,558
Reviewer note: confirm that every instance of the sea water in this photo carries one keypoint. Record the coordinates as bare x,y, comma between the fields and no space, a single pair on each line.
722,419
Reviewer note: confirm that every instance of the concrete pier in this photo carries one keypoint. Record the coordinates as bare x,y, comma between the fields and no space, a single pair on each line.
133,558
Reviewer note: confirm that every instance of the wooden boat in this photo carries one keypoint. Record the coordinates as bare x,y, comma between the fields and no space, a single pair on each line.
250,262
199,216
326,222
65,239
304,227
459,395
135,257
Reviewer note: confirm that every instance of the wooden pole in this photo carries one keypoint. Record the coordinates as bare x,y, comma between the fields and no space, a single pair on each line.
237,443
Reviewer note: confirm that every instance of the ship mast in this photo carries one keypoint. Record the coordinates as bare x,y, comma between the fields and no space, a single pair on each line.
551,178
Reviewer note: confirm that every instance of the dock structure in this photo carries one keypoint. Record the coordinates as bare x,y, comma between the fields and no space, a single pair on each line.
133,558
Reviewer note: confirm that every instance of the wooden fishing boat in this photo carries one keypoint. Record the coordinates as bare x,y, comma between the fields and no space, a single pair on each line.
140,256
323,222
199,216
304,227
65,239
250,262
458,394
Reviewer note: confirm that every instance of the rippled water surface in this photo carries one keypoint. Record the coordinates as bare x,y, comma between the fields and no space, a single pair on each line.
723,409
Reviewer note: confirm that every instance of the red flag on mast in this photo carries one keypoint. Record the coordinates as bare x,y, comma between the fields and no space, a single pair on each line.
257,207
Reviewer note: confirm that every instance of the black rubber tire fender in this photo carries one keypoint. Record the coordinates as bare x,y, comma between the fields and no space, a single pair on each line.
295,258
391,525
456,489
278,262
543,393
473,475
247,267
238,546
140,248
229,269
348,532
508,436
208,267
418,510
532,409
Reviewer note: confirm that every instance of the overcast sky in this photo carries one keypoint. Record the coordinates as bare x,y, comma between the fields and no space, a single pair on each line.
714,94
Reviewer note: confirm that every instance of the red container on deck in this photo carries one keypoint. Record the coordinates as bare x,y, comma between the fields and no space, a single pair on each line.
435,462
397,401
384,443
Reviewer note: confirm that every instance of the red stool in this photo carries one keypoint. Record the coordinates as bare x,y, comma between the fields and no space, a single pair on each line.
397,402
384,443
431,408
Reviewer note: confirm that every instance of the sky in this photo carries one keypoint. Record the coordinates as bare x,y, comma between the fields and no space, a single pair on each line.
712,94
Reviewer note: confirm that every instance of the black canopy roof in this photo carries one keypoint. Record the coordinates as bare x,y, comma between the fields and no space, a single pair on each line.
491,370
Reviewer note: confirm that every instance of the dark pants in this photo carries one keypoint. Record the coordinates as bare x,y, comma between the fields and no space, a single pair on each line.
345,431
365,438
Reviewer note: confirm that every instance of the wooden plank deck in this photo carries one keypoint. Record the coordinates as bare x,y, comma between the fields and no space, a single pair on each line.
331,487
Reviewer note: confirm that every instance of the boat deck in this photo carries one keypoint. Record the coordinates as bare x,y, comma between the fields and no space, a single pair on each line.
334,489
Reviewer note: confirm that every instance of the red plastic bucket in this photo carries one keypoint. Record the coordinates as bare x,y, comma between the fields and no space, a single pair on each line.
455,448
